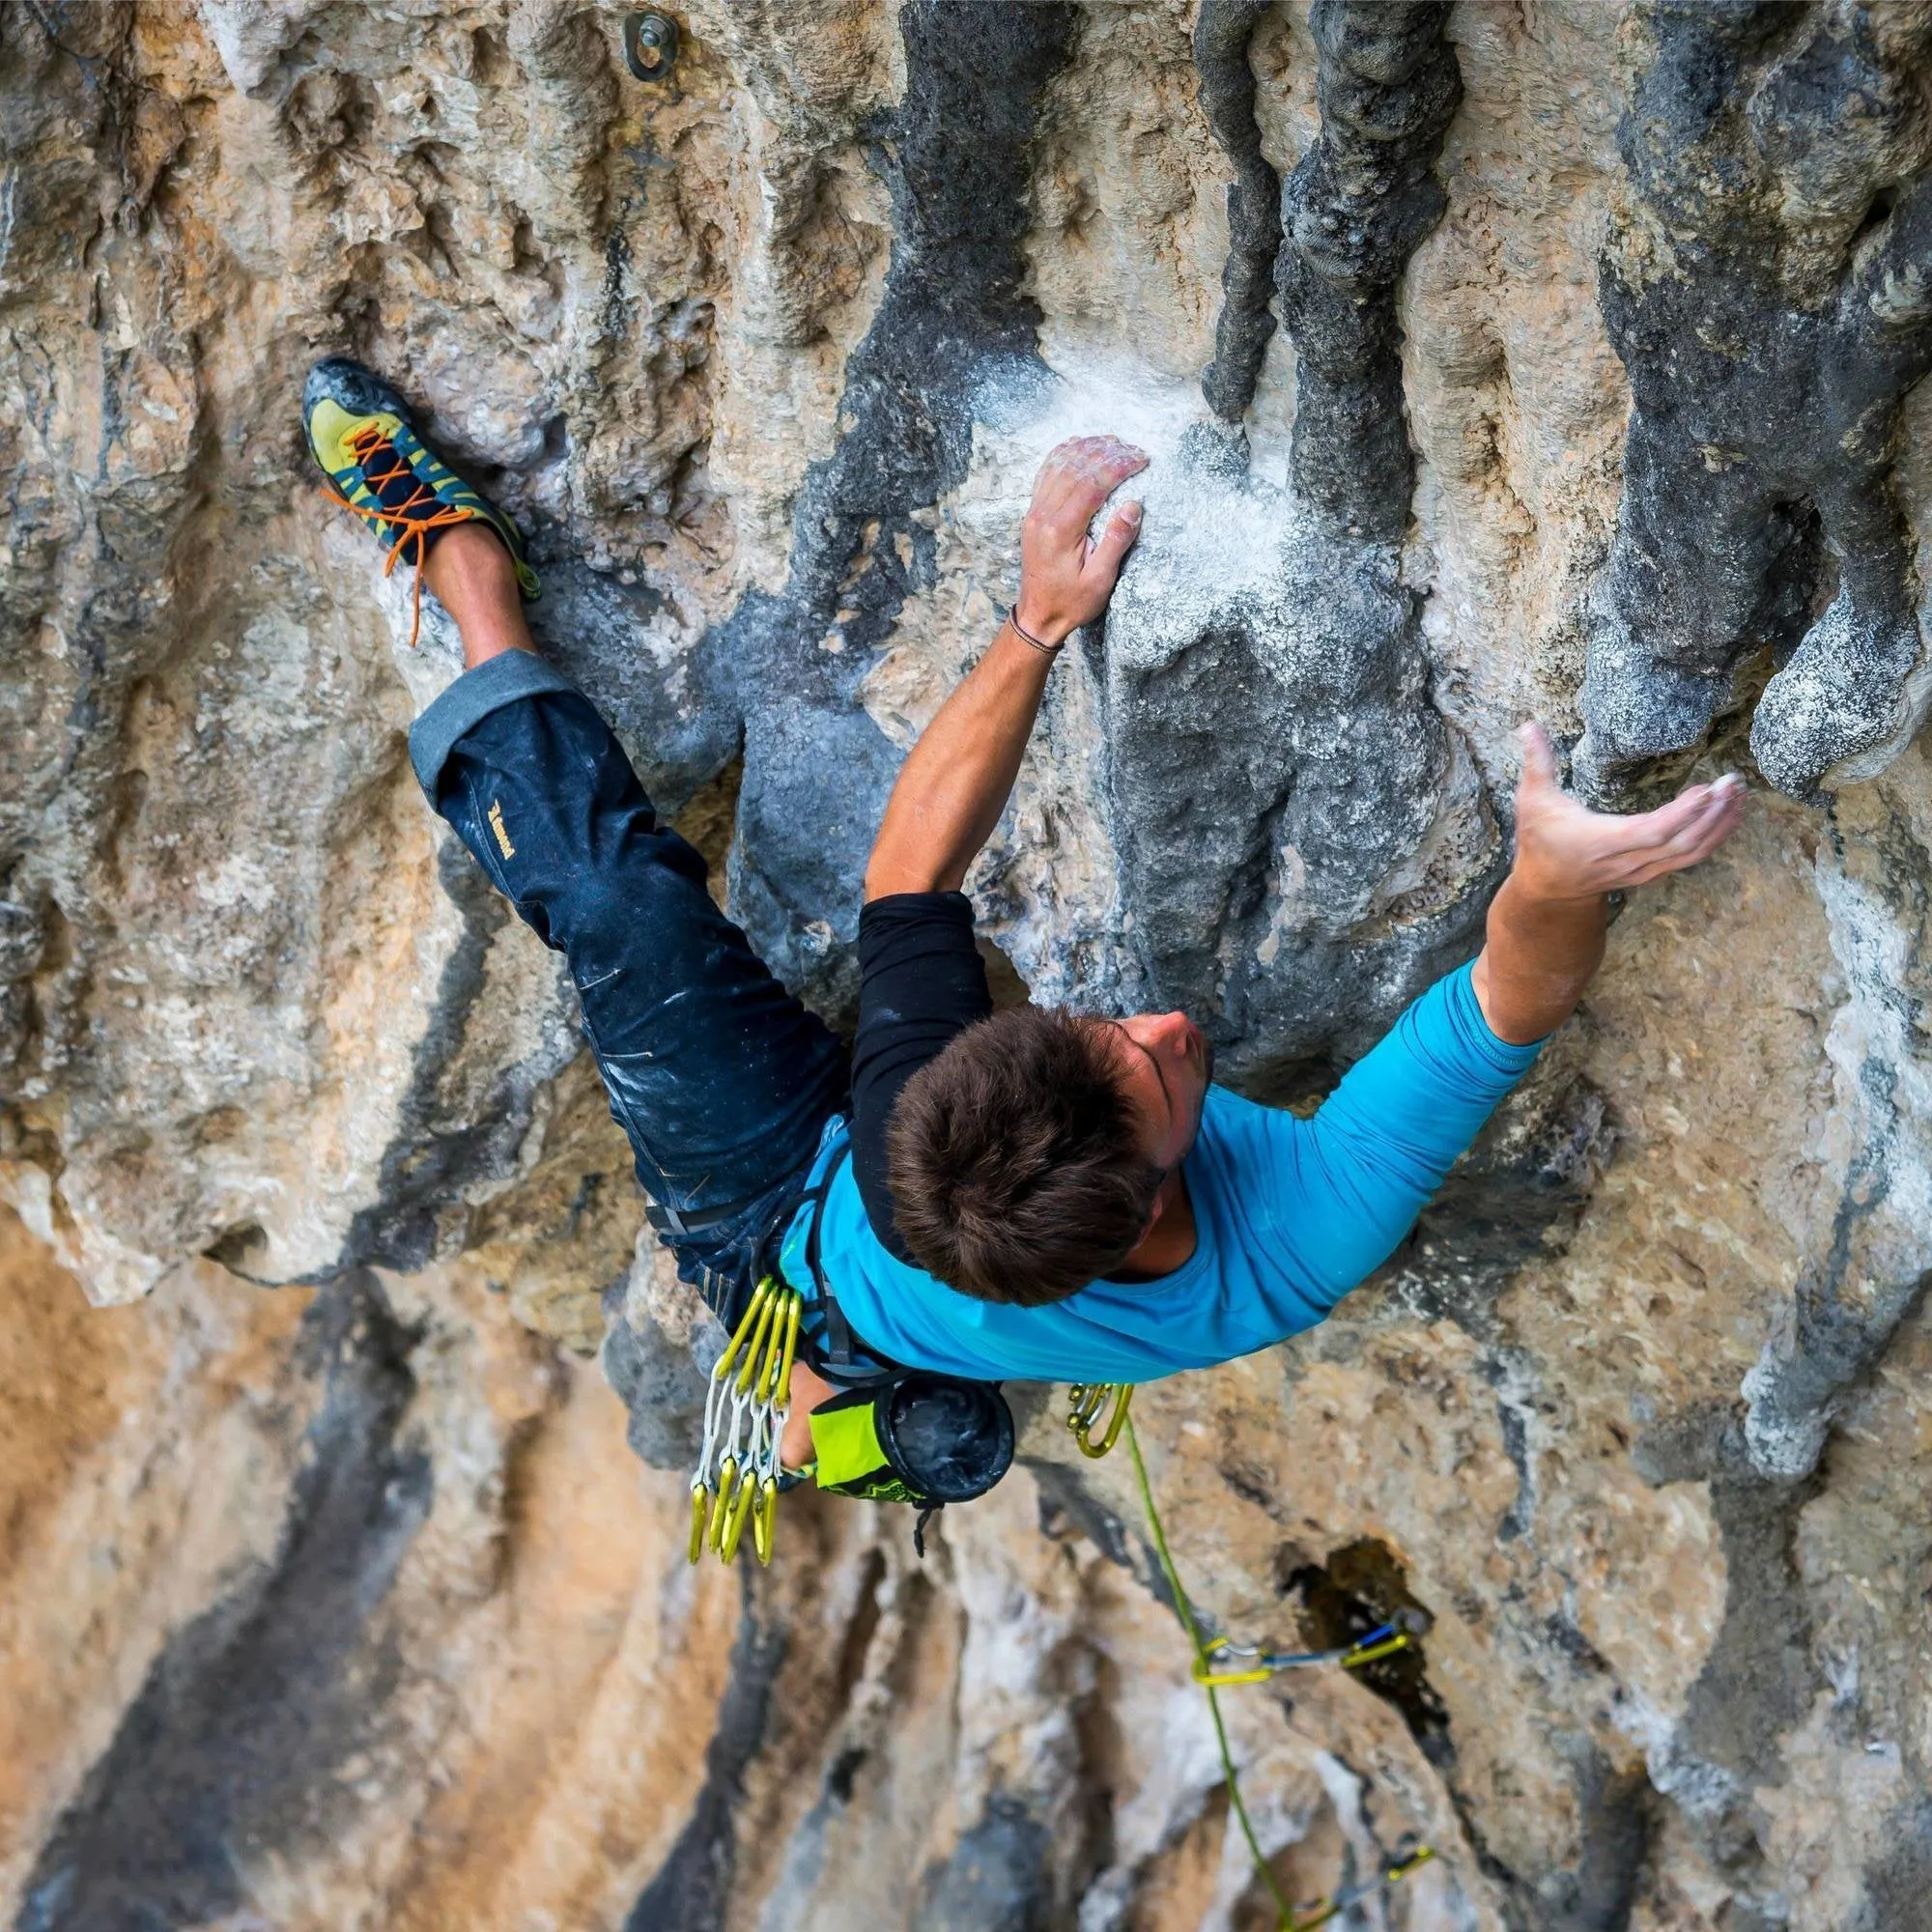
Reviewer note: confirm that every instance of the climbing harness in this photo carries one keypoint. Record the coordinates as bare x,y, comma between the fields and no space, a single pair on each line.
894,1433
1086,1400
1408,1854
737,1480
890,1434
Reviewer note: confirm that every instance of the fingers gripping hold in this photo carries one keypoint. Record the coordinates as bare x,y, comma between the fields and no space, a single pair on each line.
1067,577
1116,540
1566,851
1538,756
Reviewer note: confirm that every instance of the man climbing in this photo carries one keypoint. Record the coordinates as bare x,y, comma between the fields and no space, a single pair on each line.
1031,1194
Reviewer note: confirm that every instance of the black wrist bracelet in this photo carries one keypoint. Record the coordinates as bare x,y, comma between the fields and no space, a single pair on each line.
1025,636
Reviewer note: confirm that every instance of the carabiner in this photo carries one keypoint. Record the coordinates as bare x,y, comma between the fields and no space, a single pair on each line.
774,1384
749,1321
721,1503
755,1356
741,1511
1391,1874
764,1520
1384,1642
1086,1400
1219,1680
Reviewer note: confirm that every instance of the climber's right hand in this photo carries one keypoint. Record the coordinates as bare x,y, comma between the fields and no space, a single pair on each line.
1066,576
808,1390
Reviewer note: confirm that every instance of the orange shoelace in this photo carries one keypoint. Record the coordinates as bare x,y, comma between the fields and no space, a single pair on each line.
363,443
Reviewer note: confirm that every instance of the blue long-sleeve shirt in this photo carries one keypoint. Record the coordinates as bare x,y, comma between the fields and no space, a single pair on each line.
1289,1215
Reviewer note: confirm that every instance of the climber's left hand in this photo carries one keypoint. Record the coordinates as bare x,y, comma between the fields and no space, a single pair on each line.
1566,851
1546,927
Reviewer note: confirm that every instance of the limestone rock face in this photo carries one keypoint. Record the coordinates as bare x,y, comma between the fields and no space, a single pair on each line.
1494,360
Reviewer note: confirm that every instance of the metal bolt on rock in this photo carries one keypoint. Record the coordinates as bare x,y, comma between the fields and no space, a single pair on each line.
650,44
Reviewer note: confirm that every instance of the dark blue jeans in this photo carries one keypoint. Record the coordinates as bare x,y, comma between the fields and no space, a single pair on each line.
720,1078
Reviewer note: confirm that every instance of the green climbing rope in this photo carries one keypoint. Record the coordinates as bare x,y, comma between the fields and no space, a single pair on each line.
1185,1611
1403,1862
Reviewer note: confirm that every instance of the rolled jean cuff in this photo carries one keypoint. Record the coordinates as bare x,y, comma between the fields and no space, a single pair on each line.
492,684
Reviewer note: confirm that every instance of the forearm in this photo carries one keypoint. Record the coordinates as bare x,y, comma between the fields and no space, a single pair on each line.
952,788
1545,935
957,780
1537,957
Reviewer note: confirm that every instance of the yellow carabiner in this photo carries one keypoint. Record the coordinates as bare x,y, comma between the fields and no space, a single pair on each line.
700,1512
1388,1646
764,1518
741,1510
1395,1874
746,1324
776,1386
755,1354
1220,1680
1217,1680
1088,1399
721,1504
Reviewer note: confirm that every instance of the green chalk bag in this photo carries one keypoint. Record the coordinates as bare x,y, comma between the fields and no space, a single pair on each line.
918,1438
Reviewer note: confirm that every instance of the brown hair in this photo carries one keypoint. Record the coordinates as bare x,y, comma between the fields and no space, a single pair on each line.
1014,1160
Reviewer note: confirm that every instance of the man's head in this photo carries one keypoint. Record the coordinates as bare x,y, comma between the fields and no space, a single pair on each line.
1032,1155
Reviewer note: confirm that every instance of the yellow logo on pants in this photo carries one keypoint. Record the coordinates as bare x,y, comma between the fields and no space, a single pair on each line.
497,826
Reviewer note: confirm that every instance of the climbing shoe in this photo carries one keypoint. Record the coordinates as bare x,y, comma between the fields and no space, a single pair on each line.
359,432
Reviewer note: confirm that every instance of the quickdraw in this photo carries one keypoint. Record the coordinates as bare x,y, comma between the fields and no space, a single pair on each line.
736,1481
1085,1401
1383,1641
1408,1857
1408,1854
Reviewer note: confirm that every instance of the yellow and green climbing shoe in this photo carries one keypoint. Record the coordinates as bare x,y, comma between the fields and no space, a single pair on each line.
359,433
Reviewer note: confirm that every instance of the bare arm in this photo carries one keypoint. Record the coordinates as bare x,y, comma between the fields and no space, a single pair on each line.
1546,929
955,783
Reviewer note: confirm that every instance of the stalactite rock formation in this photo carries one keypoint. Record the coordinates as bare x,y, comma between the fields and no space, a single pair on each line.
1494,360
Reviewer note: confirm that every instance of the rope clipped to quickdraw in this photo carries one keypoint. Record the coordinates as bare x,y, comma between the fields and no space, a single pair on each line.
1408,1854
1085,1401
737,1480
1383,1642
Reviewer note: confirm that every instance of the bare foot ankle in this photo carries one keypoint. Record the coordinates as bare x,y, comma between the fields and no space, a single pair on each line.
474,579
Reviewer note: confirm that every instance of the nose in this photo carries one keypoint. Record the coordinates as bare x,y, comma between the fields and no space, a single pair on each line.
1174,1030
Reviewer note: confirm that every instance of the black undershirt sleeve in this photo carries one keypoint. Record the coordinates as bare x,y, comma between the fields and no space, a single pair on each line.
921,981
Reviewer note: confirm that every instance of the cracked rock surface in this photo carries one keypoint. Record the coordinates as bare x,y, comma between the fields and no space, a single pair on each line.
1494,360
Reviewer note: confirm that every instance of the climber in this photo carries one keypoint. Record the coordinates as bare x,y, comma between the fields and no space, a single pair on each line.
1031,1194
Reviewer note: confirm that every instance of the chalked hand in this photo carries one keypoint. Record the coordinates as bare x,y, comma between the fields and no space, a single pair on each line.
1065,574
